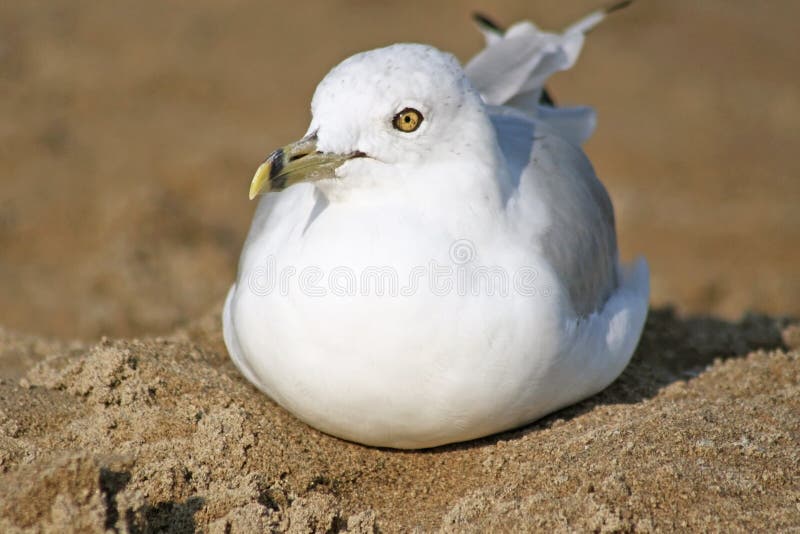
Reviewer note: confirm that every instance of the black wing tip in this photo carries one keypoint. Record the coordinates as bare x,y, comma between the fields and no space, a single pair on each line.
546,99
619,5
485,22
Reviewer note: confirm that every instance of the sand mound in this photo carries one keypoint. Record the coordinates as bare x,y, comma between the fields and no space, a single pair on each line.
130,134
700,432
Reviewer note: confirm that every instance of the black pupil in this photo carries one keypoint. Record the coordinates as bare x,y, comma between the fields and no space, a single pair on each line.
408,118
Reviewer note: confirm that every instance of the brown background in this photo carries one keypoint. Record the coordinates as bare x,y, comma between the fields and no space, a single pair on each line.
128,135
129,132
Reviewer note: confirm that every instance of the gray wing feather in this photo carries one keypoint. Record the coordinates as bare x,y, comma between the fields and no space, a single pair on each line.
580,243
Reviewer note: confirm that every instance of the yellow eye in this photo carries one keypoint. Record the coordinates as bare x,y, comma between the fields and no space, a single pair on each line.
407,120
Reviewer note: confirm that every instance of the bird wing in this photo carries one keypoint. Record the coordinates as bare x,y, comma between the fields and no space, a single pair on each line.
541,147
579,240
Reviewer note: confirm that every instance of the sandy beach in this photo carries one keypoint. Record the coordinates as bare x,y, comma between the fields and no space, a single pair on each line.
130,132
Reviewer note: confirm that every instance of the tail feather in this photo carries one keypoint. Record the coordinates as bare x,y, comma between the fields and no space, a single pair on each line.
514,66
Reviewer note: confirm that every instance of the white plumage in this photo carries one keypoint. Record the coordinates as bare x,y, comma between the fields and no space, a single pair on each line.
342,312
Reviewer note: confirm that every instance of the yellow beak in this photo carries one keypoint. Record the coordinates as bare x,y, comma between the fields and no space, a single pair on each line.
295,163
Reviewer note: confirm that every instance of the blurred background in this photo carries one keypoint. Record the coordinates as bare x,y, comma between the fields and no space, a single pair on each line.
129,132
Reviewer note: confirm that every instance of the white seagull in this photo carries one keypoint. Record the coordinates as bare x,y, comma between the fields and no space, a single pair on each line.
436,260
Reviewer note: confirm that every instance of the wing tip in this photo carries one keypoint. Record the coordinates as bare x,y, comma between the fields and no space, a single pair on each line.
484,22
617,6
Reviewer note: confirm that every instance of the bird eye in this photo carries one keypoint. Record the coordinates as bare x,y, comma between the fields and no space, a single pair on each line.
407,120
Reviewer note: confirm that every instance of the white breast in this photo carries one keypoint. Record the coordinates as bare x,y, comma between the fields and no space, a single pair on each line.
421,368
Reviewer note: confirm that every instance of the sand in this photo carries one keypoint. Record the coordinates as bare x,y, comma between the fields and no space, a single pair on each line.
128,138
700,432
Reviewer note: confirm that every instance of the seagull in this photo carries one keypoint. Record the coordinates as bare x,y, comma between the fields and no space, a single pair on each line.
436,260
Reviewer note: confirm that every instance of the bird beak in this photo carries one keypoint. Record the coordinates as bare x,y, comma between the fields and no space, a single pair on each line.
295,163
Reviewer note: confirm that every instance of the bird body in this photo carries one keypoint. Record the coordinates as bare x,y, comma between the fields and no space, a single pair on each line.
447,268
